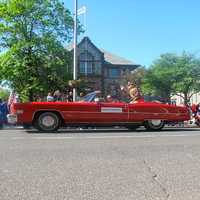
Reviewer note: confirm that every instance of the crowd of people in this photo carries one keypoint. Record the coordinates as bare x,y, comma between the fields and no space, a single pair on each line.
129,93
59,96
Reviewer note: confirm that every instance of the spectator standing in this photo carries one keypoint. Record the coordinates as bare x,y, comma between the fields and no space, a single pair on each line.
57,96
3,113
65,97
197,109
80,97
50,97
13,98
70,97
38,98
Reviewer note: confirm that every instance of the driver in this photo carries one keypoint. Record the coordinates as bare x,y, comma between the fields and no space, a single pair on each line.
109,98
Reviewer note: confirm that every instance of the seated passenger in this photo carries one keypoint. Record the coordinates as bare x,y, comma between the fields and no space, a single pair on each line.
134,93
124,96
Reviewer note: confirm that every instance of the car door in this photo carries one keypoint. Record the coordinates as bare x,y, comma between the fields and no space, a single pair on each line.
143,111
82,112
113,113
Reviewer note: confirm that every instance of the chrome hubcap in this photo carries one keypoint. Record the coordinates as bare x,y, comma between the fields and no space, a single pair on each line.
156,122
48,121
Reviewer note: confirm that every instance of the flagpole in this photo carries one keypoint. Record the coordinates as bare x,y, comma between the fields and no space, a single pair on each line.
75,47
85,20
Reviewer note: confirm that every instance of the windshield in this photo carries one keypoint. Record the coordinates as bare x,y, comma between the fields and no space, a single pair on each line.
91,96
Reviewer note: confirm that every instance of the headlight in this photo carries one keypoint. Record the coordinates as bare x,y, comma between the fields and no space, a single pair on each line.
12,119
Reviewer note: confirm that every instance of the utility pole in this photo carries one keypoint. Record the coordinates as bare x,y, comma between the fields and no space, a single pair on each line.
75,47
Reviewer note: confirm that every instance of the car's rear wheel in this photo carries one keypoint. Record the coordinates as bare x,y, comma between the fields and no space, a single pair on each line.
154,125
48,122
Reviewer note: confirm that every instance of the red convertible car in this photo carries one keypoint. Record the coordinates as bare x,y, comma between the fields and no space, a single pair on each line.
50,116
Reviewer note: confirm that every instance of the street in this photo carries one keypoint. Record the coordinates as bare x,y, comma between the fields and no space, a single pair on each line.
112,164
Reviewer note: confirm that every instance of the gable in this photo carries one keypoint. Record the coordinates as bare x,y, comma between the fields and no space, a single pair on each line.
87,45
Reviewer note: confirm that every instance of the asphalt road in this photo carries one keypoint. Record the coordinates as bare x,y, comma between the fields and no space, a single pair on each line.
100,165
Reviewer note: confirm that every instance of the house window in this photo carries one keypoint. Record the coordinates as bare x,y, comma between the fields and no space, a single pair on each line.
86,62
97,68
114,73
85,67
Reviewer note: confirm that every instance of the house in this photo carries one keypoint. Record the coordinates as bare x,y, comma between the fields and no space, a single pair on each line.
103,70
195,99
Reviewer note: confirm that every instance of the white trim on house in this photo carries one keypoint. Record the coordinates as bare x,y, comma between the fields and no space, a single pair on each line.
195,99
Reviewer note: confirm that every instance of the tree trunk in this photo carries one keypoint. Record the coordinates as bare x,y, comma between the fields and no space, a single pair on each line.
186,99
31,95
166,97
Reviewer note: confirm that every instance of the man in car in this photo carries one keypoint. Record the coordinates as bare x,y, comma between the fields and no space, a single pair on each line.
109,98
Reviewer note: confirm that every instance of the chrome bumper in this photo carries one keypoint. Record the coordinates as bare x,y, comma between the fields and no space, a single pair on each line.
12,119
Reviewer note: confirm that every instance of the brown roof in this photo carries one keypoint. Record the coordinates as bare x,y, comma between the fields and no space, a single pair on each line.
113,59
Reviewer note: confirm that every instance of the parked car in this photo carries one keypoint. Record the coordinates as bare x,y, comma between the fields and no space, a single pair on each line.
50,116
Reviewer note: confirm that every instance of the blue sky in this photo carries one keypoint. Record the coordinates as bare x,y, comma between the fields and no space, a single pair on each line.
141,30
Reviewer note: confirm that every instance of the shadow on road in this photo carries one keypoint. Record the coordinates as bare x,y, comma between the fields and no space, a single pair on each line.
99,131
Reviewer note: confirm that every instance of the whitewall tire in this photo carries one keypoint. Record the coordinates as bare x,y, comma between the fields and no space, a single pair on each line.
48,122
154,125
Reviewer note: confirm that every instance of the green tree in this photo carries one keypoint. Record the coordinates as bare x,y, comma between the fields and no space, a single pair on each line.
137,75
4,93
187,76
173,75
32,37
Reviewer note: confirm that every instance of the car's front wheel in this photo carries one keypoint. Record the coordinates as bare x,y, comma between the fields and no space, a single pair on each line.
154,125
48,122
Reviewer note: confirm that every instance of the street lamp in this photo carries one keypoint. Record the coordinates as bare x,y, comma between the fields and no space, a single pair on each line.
75,47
